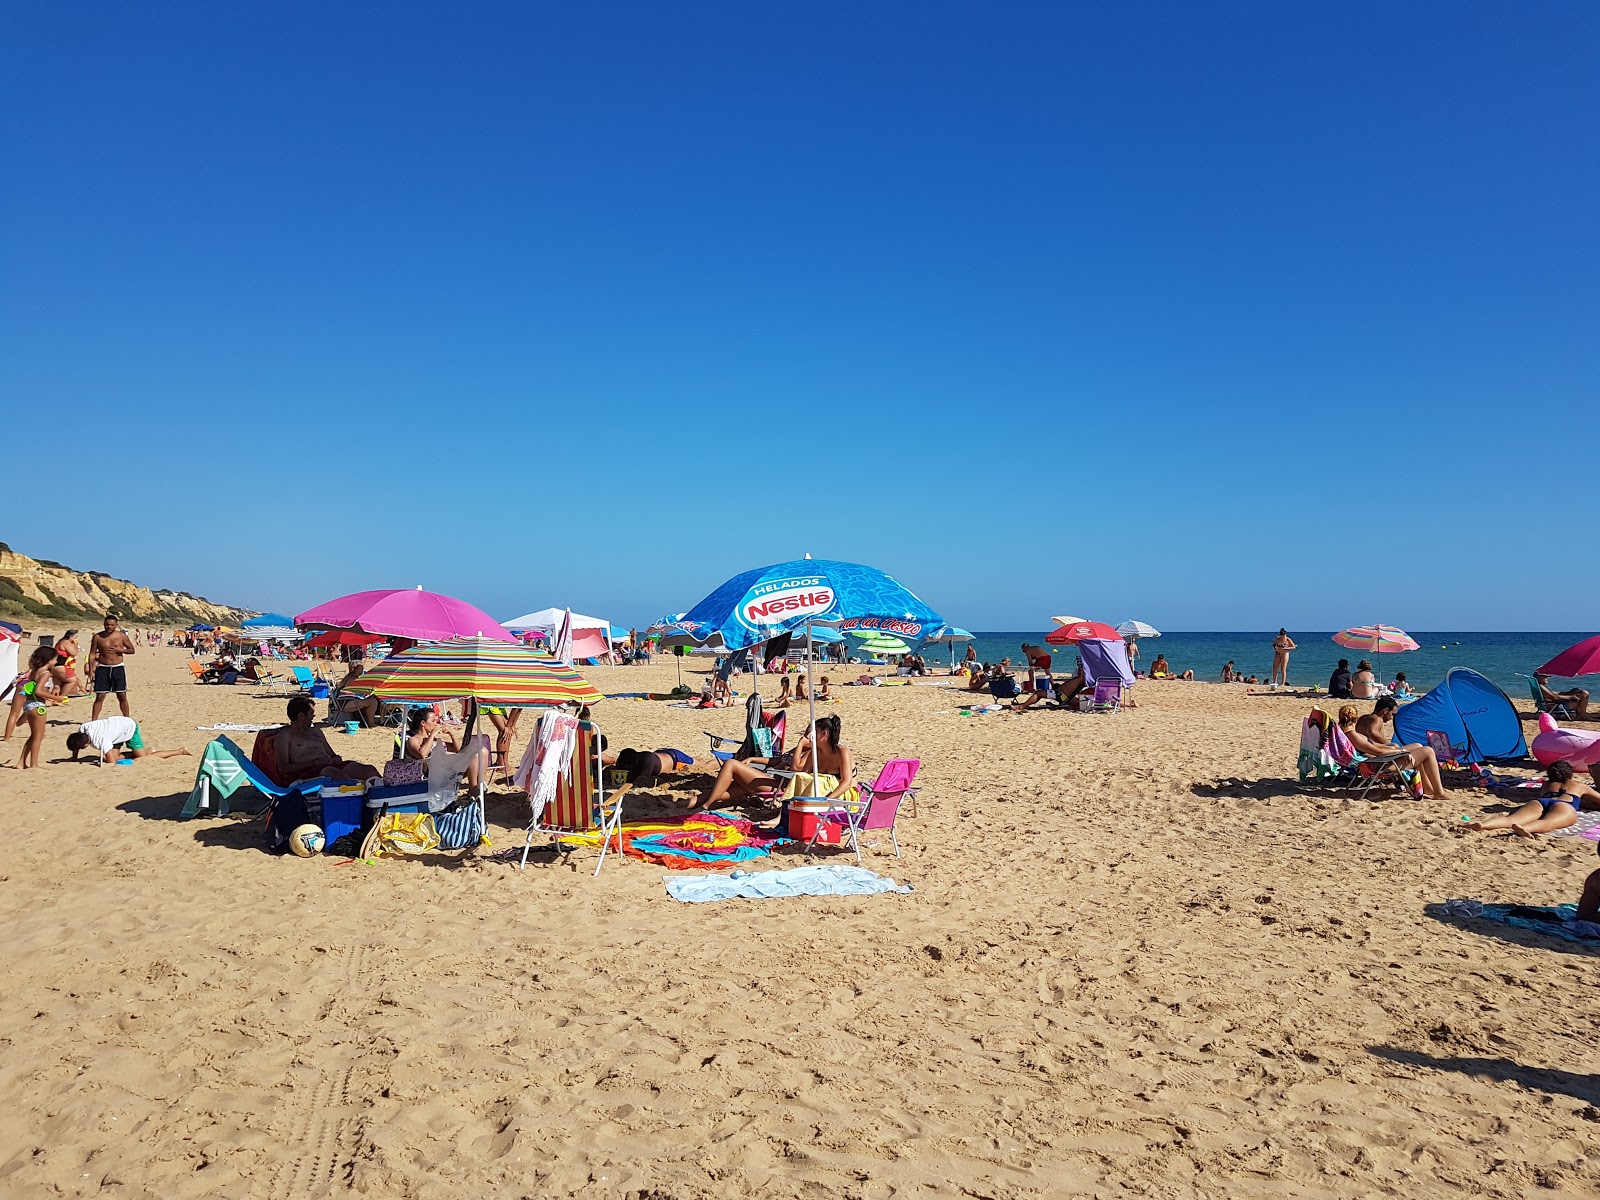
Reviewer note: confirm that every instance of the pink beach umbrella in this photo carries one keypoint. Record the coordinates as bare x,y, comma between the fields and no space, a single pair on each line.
1582,659
1376,639
414,613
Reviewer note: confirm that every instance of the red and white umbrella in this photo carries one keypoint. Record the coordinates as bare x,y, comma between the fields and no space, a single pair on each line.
1082,631
1376,639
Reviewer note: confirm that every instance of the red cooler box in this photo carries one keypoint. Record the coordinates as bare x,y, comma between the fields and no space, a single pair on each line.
805,818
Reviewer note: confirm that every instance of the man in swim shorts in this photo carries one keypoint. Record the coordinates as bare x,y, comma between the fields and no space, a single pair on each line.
106,651
1577,699
114,738
1039,671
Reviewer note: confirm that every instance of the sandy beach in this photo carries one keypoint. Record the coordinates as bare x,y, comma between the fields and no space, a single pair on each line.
1136,963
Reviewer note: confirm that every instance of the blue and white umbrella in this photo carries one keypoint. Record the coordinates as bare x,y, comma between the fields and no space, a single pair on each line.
947,635
271,626
785,597
804,593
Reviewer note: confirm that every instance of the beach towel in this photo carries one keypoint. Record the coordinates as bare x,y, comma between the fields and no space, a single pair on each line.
1315,761
696,840
766,885
1557,920
222,762
546,759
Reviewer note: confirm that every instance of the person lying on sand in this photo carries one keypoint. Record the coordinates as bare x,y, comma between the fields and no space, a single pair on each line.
1373,735
1556,808
644,766
114,738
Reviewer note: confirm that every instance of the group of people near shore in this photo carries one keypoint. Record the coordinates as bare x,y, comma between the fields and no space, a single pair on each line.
52,679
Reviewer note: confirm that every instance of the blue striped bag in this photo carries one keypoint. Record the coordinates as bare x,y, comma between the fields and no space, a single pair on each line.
460,825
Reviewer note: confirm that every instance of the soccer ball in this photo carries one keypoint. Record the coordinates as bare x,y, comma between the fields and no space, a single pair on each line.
306,840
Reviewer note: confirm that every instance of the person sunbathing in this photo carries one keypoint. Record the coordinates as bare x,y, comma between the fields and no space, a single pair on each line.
304,753
425,731
1576,699
1364,684
741,779
644,766
785,693
1161,669
833,763
1373,736
1556,808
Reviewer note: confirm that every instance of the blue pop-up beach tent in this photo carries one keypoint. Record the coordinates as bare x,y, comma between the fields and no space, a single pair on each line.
1472,712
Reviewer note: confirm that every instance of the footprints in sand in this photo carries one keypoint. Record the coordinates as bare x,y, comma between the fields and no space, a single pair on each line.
320,1120
320,1132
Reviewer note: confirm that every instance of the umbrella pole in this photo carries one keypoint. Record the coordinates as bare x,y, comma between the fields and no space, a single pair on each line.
812,693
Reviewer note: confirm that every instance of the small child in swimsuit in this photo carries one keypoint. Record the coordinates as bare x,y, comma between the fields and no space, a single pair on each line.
36,695
1556,808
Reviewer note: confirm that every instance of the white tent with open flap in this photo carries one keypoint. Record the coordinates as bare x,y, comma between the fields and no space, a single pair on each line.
591,636
10,654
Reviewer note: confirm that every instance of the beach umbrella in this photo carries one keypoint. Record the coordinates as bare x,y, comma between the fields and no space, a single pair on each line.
270,627
1582,659
1082,631
1376,639
784,597
198,628
883,647
425,616
806,592
342,637
504,674
948,635
1066,620
1131,629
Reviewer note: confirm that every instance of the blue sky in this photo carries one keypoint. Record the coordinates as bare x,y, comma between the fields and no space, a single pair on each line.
1154,310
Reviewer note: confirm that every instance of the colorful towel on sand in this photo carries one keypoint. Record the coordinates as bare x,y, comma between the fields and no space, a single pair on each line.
798,881
696,840
1558,920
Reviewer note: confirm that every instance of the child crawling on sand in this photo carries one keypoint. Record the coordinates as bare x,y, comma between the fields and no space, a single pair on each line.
1556,808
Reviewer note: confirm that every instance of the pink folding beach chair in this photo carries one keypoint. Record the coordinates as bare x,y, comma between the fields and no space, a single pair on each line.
1107,696
1448,755
878,807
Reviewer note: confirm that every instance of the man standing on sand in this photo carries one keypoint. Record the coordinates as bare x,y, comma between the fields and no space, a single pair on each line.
106,650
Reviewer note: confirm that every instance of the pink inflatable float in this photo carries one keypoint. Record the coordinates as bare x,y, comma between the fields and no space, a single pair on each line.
1555,743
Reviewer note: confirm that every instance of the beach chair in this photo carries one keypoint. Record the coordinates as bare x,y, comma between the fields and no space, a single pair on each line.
1540,704
578,804
303,678
1448,755
1324,748
1107,696
1004,688
224,769
878,807
763,743
196,670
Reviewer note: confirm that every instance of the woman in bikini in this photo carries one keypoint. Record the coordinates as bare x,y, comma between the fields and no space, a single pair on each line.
1556,808
1280,658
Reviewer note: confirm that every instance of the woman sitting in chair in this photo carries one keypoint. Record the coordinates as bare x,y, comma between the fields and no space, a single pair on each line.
425,731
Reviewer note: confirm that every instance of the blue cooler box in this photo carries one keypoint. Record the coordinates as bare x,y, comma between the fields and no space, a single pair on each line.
341,814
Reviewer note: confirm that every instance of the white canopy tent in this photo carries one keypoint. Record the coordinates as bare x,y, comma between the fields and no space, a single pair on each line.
588,633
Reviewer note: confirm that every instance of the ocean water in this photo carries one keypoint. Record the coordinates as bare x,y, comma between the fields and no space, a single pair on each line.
1497,655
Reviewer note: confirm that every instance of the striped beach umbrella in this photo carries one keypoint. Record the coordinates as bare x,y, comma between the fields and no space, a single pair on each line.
1376,639
883,646
503,674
